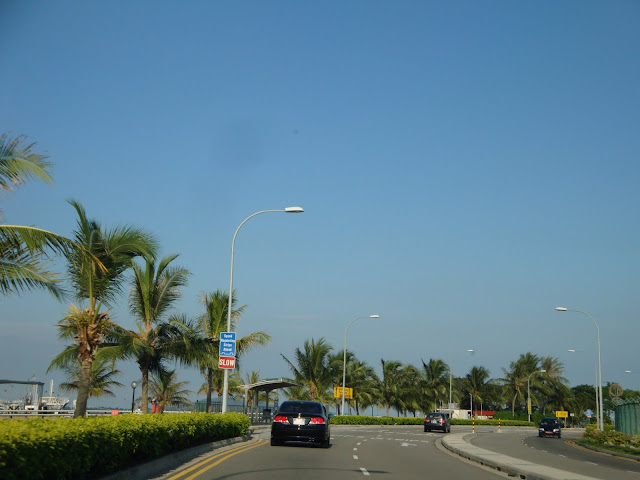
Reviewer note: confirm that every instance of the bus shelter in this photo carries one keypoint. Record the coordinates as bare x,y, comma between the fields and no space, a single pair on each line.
254,389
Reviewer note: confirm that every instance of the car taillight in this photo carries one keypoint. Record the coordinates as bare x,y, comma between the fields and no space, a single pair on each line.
441,420
281,419
316,421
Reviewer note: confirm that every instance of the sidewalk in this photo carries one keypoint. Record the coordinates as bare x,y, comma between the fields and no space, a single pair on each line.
457,443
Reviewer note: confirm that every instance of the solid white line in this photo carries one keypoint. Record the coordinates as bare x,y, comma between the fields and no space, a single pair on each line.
364,471
591,463
355,457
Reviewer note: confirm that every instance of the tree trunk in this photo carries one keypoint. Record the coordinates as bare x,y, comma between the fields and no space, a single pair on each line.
84,384
209,388
145,390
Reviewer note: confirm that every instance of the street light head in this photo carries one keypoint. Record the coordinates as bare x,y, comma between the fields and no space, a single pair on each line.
294,210
542,371
134,385
471,350
561,309
374,316
572,350
627,371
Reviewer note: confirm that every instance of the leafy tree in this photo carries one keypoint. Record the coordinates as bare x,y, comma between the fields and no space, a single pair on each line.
476,384
515,378
312,371
210,326
96,266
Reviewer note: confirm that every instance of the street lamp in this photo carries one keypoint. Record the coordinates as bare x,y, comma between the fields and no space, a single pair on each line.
344,361
225,387
529,391
600,412
595,367
133,396
450,368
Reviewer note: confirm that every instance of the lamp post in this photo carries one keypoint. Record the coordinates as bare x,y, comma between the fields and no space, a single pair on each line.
600,411
225,386
133,396
344,361
595,367
471,401
529,391
450,368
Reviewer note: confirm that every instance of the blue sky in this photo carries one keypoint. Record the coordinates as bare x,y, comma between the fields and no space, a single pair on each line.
464,167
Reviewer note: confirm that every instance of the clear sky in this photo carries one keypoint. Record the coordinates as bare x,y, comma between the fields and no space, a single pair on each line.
464,167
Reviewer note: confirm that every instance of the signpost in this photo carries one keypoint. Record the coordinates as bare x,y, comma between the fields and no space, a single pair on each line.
227,358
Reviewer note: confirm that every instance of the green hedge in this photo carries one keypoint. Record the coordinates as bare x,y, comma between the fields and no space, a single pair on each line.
365,420
612,440
71,448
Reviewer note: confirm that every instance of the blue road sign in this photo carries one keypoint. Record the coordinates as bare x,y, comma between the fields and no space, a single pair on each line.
227,348
231,336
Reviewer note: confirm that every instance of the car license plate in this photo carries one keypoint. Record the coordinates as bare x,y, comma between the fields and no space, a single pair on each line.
298,421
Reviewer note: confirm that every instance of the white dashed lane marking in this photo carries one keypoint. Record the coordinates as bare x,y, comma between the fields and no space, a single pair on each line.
364,471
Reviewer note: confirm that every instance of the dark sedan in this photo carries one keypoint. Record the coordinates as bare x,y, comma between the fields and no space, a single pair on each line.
550,427
301,421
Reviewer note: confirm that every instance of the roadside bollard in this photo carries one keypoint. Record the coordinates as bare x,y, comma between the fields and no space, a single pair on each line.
473,426
499,426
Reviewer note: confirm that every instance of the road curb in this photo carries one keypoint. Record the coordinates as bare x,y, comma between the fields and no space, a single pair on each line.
459,444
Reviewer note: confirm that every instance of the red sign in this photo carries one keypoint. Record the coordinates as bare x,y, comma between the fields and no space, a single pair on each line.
227,362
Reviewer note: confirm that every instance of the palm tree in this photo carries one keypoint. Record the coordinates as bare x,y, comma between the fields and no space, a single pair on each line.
359,376
23,250
167,390
102,380
155,290
476,383
515,379
210,326
389,385
436,378
96,266
312,370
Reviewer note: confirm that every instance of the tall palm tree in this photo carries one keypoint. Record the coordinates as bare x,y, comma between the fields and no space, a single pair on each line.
515,378
312,369
24,251
476,383
96,267
436,378
210,325
390,384
155,290
168,391
359,376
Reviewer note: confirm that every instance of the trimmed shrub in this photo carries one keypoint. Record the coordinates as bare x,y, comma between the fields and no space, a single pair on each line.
65,448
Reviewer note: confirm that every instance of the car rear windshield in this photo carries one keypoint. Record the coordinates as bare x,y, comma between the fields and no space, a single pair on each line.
549,421
435,415
296,407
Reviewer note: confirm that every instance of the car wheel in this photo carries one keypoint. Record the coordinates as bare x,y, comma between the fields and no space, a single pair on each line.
325,443
449,430
275,443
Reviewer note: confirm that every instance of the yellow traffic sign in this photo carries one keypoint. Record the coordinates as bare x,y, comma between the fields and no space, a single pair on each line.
562,414
348,392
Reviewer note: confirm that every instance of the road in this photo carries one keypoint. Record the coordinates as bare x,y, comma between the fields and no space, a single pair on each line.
356,453
398,453
561,453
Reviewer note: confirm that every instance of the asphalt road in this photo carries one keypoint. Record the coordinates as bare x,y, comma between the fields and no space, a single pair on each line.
356,453
558,453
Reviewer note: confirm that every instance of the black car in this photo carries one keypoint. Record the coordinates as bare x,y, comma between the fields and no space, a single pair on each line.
550,427
301,421
437,421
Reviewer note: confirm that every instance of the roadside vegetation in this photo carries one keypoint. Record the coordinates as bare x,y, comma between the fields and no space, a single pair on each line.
93,447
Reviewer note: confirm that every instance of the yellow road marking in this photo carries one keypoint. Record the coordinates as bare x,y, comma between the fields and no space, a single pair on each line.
225,455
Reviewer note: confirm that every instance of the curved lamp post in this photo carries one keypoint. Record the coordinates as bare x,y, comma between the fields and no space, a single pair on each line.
225,387
133,396
600,412
529,391
344,361
450,368
595,367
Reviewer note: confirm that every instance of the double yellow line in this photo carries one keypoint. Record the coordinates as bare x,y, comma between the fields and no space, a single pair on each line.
212,461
